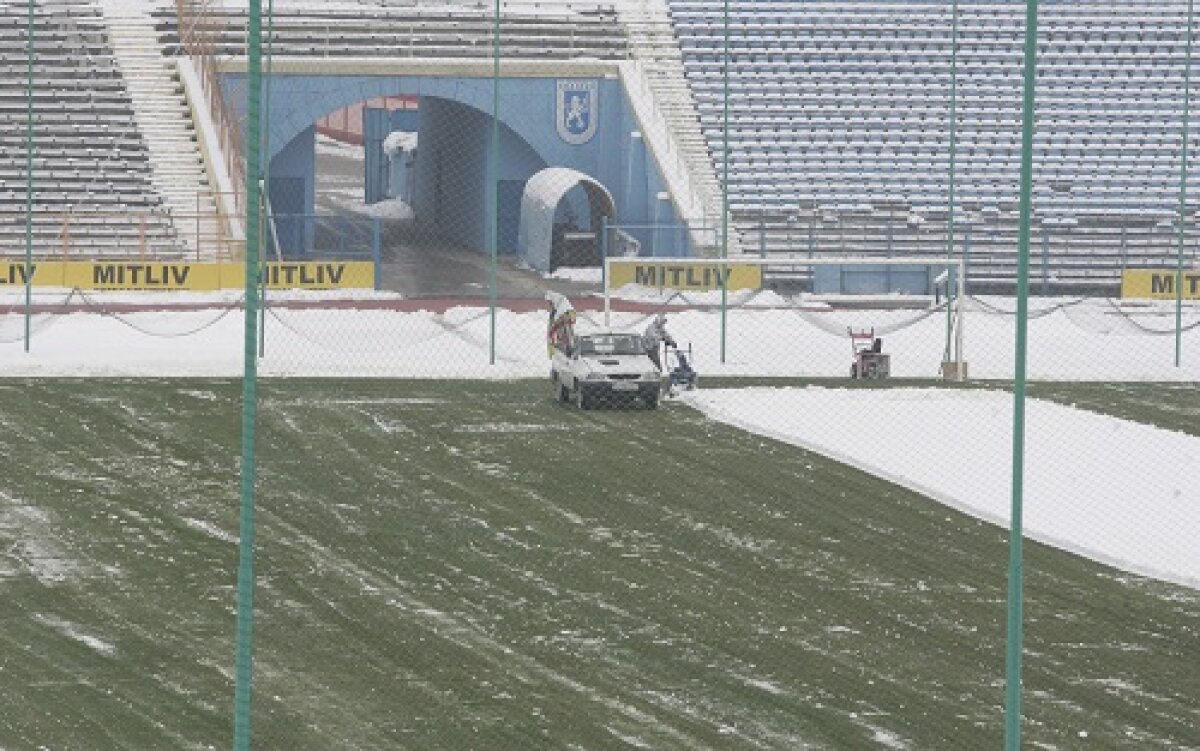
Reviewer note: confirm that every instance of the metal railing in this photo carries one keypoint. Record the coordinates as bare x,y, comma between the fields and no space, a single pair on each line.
200,28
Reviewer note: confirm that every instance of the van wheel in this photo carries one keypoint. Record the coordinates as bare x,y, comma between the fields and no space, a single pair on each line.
564,394
581,401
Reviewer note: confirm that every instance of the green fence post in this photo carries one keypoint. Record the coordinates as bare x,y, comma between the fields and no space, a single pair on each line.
725,189
266,180
29,185
494,228
1183,170
245,584
953,171
1012,704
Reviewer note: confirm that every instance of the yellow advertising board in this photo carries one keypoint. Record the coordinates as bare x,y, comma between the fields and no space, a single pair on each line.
1159,284
316,275
686,276
12,274
131,276
195,277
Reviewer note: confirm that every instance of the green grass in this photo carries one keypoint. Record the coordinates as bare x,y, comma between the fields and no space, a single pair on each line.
471,565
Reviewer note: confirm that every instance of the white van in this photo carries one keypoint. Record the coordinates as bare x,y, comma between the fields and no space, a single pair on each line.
605,367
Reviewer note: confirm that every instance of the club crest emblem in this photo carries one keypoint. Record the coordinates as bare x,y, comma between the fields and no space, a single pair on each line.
575,108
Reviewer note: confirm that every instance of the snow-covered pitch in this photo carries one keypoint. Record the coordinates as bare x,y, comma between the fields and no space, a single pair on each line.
1113,490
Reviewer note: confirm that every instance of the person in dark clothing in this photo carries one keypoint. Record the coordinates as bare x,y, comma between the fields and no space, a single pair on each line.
656,335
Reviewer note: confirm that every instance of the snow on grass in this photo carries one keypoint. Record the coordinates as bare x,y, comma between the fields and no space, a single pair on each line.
29,537
508,427
1115,491
75,632
211,530
886,738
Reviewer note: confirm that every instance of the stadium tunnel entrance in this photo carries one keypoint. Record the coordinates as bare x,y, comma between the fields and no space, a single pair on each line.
428,168
551,234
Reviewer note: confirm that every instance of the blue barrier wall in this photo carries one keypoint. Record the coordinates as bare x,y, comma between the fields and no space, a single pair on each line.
454,126
293,193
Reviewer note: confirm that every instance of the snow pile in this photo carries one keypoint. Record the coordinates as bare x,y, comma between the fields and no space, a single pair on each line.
399,142
454,341
389,208
1112,490
588,275
327,146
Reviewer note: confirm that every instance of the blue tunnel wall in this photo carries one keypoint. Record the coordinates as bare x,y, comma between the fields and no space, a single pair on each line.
292,192
453,186
453,198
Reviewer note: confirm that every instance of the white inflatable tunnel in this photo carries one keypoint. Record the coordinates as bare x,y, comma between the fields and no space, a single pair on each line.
543,192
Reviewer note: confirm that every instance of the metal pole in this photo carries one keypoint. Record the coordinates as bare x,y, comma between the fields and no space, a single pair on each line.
725,187
604,251
494,229
262,315
966,259
245,596
377,251
762,233
1012,705
953,158
959,297
607,297
1045,258
29,185
1183,170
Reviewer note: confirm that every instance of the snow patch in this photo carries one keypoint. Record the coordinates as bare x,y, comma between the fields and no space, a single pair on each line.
590,274
399,142
211,530
508,427
1082,470
74,631
327,146
887,738
29,537
626,738
762,684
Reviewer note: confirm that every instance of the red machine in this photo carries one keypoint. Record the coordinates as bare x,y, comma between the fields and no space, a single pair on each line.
870,361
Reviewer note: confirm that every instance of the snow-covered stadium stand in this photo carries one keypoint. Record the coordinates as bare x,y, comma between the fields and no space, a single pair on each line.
375,28
839,126
839,116
94,192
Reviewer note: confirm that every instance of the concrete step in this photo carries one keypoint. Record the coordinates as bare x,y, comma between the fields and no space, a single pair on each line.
163,117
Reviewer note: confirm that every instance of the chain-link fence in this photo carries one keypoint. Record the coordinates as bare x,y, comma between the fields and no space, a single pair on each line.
683,363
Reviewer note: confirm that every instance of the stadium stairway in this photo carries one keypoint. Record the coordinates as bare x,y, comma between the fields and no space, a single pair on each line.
653,45
161,112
